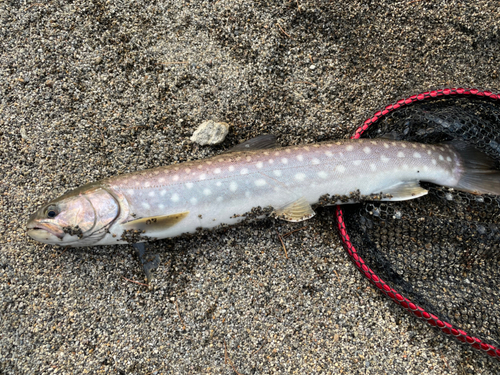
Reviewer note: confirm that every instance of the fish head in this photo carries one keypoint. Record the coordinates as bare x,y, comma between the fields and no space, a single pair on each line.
80,217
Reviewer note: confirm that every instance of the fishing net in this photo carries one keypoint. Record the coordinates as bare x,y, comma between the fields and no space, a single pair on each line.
437,256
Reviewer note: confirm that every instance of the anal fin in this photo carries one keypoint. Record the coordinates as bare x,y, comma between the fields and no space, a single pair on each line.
404,191
298,210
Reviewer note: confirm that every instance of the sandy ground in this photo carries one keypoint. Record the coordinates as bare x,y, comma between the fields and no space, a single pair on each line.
90,89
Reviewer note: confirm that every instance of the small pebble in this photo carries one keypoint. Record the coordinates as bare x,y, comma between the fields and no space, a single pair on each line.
210,133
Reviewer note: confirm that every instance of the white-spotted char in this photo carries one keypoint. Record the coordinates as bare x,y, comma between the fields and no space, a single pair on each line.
172,200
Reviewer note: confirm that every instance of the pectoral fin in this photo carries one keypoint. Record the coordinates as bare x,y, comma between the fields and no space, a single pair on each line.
149,261
295,211
155,223
404,191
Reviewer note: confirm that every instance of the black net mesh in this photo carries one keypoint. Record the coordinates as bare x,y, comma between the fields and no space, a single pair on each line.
439,254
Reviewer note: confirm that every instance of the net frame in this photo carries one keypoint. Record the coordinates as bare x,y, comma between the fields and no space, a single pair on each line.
434,321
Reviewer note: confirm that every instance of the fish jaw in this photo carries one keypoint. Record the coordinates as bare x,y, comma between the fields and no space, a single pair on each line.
45,232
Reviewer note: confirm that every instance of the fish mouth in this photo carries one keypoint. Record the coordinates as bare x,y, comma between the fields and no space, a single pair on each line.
45,232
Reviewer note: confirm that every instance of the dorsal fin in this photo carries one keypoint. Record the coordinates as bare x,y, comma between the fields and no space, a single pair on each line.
258,143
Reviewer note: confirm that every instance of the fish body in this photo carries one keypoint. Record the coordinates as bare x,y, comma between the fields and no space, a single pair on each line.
180,198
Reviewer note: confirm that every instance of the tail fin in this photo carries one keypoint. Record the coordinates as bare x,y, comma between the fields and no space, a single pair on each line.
479,175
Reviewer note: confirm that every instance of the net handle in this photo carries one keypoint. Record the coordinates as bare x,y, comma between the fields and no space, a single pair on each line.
445,327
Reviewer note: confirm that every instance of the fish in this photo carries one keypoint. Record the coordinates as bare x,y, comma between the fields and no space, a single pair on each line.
180,198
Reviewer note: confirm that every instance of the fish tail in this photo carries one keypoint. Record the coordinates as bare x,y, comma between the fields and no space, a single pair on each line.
478,175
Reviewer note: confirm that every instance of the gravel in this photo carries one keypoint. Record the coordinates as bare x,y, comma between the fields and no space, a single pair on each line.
91,89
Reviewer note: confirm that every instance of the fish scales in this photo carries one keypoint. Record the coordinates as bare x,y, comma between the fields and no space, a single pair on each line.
180,198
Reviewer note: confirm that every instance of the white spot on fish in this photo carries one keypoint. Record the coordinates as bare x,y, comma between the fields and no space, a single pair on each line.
401,154
434,161
277,173
300,158
189,185
448,158
193,201
316,161
384,158
174,198
147,183
276,153
357,163
163,192
403,145
231,168
349,147
373,167
161,206
425,168
414,145
260,182
329,154
217,170
131,191
259,165
207,191
367,150
429,152
145,205
300,176
271,161
187,170
249,158
406,166
244,171
233,186
162,180
416,155
202,176
247,194
340,168
284,161
151,194
218,183
322,174
386,145
276,188
219,199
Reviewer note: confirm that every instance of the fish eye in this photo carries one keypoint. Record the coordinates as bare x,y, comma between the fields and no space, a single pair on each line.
52,211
